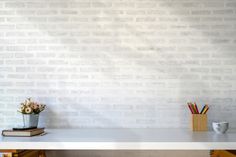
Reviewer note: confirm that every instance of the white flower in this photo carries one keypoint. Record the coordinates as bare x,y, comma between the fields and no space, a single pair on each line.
27,102
28,110
22,108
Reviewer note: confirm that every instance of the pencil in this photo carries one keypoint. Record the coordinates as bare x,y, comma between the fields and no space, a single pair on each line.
194,110
195,105
207,108
190,108
203,108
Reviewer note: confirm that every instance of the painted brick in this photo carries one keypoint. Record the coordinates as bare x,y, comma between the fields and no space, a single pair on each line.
6,55
16,76
223,12
36,5
145,5
24,69
58,5
201,12
46,12
213,5
231,4
25,26
57,19
14,62
6,41
24,84
5,84
37,19
24,55
15,91
25,12
6,26
84,5
124,5
15,5
101,5
15,34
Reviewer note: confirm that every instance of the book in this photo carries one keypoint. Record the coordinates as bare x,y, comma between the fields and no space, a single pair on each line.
22,153
23,133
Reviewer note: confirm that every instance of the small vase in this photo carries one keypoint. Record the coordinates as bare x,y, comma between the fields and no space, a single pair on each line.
30,120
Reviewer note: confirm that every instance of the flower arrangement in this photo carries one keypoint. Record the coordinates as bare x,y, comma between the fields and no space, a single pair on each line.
31,107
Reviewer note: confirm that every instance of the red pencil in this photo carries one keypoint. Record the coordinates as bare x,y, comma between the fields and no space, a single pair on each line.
195,105
189,106
193,108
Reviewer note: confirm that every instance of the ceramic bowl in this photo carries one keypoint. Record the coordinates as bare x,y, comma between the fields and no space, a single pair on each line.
220,127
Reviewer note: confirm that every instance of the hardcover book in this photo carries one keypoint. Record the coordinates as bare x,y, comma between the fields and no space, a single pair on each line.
23,133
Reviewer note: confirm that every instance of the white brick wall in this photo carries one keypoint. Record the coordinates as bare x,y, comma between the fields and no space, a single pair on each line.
133,63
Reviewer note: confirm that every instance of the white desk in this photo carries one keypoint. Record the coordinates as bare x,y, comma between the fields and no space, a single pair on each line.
122,139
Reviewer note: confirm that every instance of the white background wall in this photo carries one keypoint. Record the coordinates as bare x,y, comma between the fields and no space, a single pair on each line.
120,63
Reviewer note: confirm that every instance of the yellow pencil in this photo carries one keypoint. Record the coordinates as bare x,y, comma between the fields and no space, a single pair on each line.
205,110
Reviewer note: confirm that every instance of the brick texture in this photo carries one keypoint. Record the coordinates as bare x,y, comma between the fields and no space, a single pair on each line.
132,63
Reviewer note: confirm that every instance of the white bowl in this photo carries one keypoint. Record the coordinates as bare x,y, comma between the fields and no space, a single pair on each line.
220,127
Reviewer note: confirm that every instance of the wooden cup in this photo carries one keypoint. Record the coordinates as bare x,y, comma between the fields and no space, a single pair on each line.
199,122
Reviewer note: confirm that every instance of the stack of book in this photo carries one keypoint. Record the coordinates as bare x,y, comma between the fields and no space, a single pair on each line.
23,132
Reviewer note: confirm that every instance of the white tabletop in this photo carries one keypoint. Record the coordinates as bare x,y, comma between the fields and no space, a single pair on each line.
122,139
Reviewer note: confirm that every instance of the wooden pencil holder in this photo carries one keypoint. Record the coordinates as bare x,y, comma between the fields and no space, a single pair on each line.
199,122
